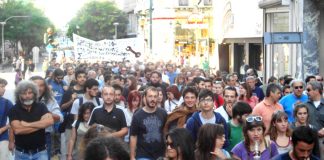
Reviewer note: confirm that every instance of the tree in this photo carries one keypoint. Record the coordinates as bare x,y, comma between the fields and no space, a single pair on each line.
27,30
95,21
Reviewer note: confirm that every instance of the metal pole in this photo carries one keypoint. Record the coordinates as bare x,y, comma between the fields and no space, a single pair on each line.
2,41
115,31
151,35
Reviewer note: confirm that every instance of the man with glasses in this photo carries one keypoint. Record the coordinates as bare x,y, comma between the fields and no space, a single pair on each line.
230,97
290,100
315,106
269,105
206,115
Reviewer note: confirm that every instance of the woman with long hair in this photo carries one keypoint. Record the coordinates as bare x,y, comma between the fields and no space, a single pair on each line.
301,115
179,145
254,145
134,101
131,85
210,141
178,117
180,81
280,132
245,95
174,96
79,129
161,98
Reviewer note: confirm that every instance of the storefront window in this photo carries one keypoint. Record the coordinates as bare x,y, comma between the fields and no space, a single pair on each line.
279,53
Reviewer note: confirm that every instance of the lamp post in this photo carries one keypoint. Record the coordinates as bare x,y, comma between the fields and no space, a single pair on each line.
116,24
2,33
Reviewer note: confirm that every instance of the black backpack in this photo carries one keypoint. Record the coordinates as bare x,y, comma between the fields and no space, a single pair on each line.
81,101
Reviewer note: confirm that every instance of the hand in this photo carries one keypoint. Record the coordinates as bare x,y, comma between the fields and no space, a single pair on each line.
218,153
26,124
321,132
11,146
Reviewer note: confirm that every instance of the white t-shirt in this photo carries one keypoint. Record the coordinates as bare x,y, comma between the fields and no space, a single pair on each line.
222,112
76,105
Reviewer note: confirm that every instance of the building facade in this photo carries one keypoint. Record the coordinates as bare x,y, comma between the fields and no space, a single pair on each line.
238,32
301,59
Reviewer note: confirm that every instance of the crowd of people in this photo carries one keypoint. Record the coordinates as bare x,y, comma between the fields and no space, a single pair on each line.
120,110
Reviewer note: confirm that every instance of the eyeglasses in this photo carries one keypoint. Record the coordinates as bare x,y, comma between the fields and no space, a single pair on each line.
299,87
319,80
170,144
253,118
207,100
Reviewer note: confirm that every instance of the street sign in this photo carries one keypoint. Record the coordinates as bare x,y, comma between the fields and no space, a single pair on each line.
282,37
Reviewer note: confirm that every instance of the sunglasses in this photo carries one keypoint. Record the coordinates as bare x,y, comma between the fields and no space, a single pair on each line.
253,118
298,87
170,144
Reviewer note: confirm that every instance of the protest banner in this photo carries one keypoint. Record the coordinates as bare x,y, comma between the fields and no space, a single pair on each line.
106,50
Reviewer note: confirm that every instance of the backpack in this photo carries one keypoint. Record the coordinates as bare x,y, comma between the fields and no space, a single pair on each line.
81,101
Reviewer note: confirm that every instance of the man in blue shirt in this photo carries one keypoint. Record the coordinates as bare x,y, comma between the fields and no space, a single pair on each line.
58,85
171,73
5,105
290,100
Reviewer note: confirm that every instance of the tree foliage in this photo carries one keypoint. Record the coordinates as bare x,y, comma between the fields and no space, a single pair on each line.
95,20
27,30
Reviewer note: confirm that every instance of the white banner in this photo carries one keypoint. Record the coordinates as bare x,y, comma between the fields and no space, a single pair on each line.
106,50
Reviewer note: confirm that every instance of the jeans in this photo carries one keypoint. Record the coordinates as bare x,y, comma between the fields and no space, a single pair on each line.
42,155
48,144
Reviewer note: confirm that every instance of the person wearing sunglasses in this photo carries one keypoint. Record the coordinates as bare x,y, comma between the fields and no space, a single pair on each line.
254,145
179,145
288,101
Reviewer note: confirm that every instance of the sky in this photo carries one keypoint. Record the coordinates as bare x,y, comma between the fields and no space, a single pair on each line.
60,12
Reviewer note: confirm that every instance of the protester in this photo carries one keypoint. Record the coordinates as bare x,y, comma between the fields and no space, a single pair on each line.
179,116
205,115
106,148
297,96
240,111
304,140
109,115
70,76
134,102
269,105
172,101
5,106
73,93
280,132
91,88
254,144
179,145
161,98
119,100
245,94
57,84
230,97
210,142
146,139
95,131
45,96
218,90
28,119
79,128
301,114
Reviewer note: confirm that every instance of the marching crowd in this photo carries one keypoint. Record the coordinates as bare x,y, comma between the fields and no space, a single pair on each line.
121,111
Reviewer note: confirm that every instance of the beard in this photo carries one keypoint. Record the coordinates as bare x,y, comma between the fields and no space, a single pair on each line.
27,102
151,104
